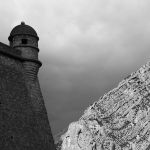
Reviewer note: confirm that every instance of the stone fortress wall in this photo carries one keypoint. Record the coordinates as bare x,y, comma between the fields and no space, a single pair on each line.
120,120
23,117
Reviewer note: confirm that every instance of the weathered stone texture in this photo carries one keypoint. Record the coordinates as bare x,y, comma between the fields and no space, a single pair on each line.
23,119
120,120
32,41
29,50
31,70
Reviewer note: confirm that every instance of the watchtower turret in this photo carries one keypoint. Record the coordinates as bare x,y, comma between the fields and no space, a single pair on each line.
24,38
27,110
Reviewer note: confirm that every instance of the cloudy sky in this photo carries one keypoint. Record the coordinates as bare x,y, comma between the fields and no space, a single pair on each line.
87,47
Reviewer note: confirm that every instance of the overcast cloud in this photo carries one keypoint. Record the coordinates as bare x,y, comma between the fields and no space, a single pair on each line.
87,47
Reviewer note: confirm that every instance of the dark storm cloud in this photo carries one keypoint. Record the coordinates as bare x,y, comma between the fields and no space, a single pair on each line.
87,47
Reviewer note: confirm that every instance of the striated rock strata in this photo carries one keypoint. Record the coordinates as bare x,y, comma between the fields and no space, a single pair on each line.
120,120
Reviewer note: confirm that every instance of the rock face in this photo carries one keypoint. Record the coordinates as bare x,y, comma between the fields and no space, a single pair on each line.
120,120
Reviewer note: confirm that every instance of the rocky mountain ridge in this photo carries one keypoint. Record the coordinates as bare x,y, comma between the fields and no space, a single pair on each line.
120,120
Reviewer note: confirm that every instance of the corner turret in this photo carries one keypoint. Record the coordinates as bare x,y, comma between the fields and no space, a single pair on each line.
25,39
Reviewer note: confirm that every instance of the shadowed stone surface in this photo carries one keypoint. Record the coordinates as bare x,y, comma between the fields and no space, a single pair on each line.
120,120
23,118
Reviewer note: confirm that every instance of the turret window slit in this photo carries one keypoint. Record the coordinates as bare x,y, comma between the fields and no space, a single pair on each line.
24,41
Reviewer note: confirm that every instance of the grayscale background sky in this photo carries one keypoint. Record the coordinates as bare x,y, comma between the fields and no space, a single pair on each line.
87,47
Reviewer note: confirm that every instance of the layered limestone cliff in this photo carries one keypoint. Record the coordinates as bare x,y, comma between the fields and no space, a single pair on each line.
120,120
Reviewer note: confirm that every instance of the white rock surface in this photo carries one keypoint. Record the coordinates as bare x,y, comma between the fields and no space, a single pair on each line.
120,120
